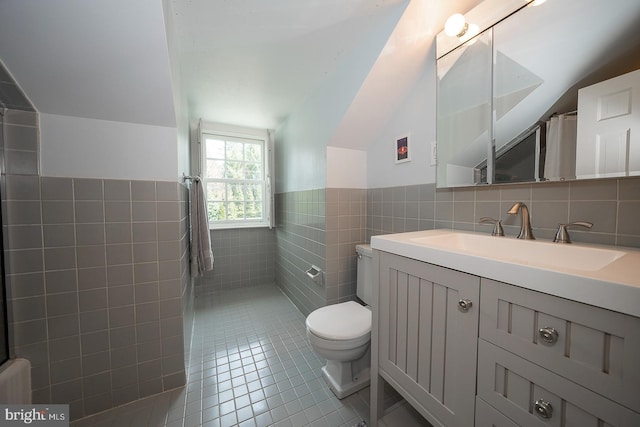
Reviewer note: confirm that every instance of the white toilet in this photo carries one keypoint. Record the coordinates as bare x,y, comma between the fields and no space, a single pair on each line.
341,333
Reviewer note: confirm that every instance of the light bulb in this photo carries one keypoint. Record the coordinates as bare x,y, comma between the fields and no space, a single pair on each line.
471,31
455,25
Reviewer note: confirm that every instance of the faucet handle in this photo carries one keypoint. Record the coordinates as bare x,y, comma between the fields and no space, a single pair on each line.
562,235
497,229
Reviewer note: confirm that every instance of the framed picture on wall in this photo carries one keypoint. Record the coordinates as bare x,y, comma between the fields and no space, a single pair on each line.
402,149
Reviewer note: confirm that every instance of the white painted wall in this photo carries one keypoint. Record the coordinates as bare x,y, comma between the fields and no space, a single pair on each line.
90,148
368,111
300,157
179,97
415,116
346,168
301,142
182,143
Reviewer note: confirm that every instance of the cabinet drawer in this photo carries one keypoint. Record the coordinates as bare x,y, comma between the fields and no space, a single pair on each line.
593,347
515,387
487,415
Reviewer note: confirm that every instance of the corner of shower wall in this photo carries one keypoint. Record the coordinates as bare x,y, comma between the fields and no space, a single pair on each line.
98,271
20,161
187,282
98,288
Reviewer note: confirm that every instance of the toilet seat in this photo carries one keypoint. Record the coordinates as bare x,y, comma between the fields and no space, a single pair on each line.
322,344
340,322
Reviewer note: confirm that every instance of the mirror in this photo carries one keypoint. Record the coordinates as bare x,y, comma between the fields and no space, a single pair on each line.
464,122
509,109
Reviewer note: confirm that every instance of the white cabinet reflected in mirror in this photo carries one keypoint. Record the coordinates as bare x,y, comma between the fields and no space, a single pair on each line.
508,105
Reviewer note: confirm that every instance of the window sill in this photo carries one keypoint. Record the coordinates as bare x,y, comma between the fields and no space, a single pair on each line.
238,226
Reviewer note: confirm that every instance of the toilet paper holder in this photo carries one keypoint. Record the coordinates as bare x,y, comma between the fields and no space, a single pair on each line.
315,274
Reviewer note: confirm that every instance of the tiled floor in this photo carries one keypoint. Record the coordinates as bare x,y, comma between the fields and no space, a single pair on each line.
251,365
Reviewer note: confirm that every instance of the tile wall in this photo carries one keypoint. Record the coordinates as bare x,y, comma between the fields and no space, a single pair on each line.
319,227
345,228
187,291
97,280
301,242
322,227
95,269
11,95
242,257
612,205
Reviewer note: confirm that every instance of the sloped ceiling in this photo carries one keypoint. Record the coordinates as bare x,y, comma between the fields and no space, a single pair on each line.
100,59
243,62
251,62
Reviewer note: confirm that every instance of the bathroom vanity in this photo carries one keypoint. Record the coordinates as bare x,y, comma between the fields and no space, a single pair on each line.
478,330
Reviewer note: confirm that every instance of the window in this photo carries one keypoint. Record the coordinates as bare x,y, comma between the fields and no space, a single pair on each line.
237,179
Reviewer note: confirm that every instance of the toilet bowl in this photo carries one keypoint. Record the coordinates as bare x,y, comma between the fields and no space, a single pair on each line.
341,334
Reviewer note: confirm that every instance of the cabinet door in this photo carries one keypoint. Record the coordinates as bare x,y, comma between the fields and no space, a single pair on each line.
427,343
535,397
596,348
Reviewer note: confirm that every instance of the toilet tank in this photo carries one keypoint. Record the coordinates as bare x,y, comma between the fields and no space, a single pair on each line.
365,273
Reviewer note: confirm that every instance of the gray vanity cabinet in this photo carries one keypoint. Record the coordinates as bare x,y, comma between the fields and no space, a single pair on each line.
465,350
544,360
488,416
531,395
428,330
596,348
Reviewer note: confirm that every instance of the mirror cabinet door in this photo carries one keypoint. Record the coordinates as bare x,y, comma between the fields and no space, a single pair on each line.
521,95
509,107
464,112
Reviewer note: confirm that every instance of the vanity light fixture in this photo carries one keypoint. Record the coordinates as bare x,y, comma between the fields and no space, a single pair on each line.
457,26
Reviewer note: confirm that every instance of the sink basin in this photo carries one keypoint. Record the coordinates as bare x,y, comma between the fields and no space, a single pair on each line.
528,252
603,276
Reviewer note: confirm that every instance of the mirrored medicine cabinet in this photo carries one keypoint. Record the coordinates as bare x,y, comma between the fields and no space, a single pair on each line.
549,93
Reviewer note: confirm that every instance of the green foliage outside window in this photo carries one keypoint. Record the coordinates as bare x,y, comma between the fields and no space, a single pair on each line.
234,178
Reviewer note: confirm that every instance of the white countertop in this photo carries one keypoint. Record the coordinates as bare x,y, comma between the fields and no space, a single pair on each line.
615,286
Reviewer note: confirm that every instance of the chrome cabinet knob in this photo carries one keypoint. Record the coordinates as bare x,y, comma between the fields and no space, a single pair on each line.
465,304
548,335
543,408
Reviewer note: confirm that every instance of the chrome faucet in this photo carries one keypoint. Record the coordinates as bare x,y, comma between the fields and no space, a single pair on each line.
525,225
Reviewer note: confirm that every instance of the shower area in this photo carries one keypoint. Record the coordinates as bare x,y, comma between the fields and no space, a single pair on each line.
19,160
4,330
15,374
98,292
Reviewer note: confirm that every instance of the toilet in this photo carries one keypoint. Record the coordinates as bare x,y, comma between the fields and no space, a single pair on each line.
341,333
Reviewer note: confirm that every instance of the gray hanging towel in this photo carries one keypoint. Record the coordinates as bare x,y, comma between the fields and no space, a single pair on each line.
201,253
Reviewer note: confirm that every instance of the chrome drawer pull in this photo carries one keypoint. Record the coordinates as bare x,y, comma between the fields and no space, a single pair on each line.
543,408
465,304
548,335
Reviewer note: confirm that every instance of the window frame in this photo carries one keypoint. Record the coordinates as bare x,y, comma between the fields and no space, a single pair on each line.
250,135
